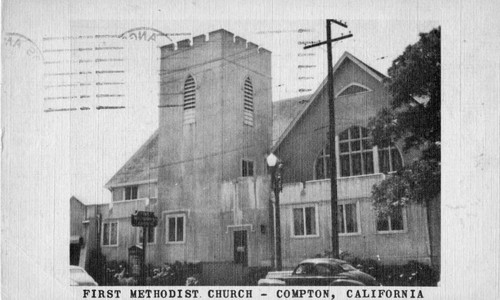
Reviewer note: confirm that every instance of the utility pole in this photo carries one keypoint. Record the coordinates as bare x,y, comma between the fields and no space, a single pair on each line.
331,133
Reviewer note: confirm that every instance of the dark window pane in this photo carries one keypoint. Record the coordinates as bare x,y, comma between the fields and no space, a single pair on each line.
351,218
327,149
368,162
171,229
344,135
344,147
340,218
364,132
396,159
151,234
310,221
383,161
397,219
298,221
243,168
113,234
344,166
355,132
366,145
356,164
382,224
355,146
180,229
105,234
320,174
328,168
250,168
130,193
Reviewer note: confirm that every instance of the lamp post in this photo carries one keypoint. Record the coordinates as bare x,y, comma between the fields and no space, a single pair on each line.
276,183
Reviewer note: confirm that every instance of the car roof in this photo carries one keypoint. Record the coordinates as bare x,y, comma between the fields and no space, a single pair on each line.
323,261
71,267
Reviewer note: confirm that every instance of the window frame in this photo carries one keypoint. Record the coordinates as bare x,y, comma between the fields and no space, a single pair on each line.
351,152
167,228
138,234
389,149
187,119
244,160
390,231
109,238
251,113
323,155
316,223
358,218
339,94
130,187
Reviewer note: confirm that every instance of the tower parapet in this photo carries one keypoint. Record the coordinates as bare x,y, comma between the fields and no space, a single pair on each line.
220,44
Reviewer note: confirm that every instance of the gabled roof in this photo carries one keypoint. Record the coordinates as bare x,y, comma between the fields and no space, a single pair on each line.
374,73
141,167
284,112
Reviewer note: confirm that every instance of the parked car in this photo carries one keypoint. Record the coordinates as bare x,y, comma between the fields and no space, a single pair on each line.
79,276
320,271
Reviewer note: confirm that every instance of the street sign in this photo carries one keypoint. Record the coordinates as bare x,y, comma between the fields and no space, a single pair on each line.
144,219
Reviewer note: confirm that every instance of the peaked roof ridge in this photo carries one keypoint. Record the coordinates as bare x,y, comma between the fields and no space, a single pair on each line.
130,161
376,74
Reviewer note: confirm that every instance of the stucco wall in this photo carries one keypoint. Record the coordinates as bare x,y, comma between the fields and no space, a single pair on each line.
199,162
303,144
243,205
400,247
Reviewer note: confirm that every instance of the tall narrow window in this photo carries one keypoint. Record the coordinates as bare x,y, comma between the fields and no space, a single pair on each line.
110,234
304,222
389,159
347,218
246,168
175,228
189,100
130,192
151,235
356,154
322,167
248,103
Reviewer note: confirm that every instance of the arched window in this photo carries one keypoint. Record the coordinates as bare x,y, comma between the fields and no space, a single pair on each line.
356,154
189,100
389,159
322,166
353,88
248,102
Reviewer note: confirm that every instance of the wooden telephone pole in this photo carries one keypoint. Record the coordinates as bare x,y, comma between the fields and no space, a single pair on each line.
331,133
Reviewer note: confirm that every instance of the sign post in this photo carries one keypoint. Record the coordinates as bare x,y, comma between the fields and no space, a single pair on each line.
144,219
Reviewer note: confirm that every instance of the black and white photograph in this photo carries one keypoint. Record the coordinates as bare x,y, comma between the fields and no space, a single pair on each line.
250,150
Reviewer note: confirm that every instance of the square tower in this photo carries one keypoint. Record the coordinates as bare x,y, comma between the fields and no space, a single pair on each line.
215,127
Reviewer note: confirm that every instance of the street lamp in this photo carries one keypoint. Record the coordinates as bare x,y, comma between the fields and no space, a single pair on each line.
276,167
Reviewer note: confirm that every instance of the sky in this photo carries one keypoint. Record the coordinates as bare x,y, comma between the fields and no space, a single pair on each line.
80,150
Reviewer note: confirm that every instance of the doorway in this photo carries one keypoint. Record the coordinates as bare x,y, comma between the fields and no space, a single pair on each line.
240,247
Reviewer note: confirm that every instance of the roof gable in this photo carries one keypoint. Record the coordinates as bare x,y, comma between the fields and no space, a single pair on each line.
141,167
314,97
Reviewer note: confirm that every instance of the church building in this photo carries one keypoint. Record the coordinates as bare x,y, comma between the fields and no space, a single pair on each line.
204,175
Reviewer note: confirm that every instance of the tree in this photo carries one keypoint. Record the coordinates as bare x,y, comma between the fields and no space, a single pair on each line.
415,118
